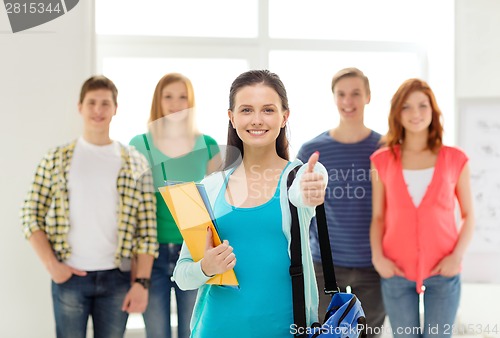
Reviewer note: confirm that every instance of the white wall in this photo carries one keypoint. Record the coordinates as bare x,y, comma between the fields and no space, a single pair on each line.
477,48
477,62
41,71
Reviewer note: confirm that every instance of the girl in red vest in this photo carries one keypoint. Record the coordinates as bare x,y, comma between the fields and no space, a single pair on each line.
416,246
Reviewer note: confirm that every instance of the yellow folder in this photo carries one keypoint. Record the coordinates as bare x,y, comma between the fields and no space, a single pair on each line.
190,212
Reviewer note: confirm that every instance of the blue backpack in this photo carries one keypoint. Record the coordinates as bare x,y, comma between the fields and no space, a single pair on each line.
344,317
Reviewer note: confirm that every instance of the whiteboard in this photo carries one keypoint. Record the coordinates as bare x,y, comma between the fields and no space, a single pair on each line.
479,137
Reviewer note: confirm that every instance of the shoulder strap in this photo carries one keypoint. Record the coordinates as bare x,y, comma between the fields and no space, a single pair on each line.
296,269
325,249
146,143
151,162
209,146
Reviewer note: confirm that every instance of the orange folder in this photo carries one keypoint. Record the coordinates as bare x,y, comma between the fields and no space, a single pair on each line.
191,214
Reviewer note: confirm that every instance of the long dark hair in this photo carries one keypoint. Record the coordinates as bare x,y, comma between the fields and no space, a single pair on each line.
252,78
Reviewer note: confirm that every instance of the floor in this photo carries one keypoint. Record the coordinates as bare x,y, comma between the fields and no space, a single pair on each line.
478,315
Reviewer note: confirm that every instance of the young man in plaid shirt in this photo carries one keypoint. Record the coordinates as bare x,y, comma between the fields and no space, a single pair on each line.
89,213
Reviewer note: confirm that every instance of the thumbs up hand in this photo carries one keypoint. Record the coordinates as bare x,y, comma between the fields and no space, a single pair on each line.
312,184
217,259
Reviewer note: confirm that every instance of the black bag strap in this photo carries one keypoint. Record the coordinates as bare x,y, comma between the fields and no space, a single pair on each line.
296,268
331,286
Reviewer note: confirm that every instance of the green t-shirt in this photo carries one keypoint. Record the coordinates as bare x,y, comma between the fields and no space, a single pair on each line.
187,168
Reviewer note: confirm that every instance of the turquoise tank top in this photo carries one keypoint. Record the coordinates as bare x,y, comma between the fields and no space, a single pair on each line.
262,305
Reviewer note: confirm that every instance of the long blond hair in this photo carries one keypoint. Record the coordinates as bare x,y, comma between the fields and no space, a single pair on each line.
156,111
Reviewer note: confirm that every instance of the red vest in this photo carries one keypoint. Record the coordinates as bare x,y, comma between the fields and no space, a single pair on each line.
417,238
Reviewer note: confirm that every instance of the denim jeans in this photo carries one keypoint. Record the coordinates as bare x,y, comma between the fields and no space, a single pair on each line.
99,294
365,284
157,315
441,299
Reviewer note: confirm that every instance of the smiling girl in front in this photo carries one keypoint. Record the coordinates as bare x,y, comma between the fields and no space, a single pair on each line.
250,202
416,247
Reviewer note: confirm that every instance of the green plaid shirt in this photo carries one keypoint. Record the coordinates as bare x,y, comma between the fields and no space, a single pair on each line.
46,206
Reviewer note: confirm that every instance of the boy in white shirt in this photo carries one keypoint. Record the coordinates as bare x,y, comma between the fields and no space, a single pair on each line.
89,212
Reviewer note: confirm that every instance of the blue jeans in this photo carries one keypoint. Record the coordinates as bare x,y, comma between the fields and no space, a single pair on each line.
99,294
157,315
441,299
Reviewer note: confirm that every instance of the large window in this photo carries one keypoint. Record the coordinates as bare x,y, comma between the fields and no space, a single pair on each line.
177,18
304,42
312,95
136,79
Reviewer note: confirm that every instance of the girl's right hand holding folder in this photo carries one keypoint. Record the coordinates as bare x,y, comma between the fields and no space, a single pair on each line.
217,259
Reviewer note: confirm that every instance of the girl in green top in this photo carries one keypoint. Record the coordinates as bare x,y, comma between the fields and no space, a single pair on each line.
176,151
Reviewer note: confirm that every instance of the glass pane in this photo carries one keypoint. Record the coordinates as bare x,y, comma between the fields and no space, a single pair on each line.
307,77
365,20
215,18
136,79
